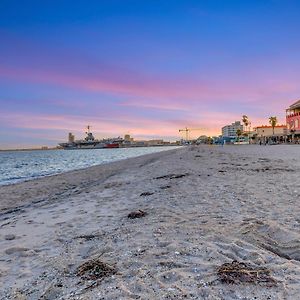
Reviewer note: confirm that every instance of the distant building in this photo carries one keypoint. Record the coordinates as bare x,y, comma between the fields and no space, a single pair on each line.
264,134
267,131
154,142
293,118
230,130
128,138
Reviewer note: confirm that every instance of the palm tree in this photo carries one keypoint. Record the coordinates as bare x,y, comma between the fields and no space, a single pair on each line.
273,122
247,123
245,120
238,133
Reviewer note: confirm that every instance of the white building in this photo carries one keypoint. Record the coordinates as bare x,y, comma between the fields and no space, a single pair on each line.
230,130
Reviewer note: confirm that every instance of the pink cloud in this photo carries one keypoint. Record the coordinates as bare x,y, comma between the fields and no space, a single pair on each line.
138,85
165,104
249,82
65,123
174,95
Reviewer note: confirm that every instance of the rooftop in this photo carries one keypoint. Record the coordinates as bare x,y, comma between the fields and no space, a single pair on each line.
295,105
268,126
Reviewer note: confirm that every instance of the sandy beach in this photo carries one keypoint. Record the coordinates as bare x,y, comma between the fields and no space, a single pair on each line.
203,206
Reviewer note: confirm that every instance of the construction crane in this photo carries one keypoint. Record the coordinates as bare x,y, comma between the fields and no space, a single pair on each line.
187,130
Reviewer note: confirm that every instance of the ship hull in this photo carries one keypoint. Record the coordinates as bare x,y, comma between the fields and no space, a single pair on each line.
67,146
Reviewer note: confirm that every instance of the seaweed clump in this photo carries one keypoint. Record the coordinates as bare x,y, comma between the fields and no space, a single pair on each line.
95,269
240,272
136,214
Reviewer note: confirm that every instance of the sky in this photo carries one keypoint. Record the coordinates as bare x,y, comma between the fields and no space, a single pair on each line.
145,68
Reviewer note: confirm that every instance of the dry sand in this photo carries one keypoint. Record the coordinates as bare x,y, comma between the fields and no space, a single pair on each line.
233,203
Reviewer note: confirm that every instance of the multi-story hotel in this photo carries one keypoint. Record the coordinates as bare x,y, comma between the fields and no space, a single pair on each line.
293,118
230,130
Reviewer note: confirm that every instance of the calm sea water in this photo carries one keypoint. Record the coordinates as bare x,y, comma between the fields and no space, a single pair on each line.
16,166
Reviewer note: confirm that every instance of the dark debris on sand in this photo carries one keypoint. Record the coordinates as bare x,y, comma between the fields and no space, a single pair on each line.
88,237
137,214
165,187
171,176
240,272
95,269
146,194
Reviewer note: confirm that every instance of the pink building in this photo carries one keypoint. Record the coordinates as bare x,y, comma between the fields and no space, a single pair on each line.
293,118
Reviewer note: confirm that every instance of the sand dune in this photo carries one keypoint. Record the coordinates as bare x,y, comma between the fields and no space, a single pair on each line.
205,206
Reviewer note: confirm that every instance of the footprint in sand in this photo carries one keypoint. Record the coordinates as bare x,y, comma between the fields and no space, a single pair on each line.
272,238
9,237
20,251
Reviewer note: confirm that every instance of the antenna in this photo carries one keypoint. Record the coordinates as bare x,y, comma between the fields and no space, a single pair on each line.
88,127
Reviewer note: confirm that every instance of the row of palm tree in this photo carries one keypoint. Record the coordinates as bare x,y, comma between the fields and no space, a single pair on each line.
247,125
246,122
245,119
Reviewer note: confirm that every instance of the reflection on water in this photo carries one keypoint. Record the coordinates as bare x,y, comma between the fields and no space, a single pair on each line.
16,166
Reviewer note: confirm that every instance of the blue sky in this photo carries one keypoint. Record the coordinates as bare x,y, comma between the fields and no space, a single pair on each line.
146,68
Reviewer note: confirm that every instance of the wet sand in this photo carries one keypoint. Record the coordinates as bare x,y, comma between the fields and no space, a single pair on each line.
205,206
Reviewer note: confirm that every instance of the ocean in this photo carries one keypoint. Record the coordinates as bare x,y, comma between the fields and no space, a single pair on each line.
18,166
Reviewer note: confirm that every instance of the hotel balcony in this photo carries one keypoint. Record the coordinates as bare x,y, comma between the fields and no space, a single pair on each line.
293,118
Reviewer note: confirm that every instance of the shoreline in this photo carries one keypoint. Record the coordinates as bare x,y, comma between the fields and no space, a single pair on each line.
55,181
57,148
57,172
204,206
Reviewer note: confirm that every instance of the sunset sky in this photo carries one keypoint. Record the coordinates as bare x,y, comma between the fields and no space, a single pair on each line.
143,67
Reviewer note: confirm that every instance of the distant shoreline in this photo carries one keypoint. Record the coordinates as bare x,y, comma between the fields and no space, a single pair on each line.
29,149
45,149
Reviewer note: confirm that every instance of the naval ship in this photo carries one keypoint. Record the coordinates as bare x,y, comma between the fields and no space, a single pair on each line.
90,142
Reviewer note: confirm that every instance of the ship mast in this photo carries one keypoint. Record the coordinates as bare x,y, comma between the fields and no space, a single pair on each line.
88,127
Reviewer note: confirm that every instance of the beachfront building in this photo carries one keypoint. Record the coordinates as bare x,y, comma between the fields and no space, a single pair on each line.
293,120
230,130
264,133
